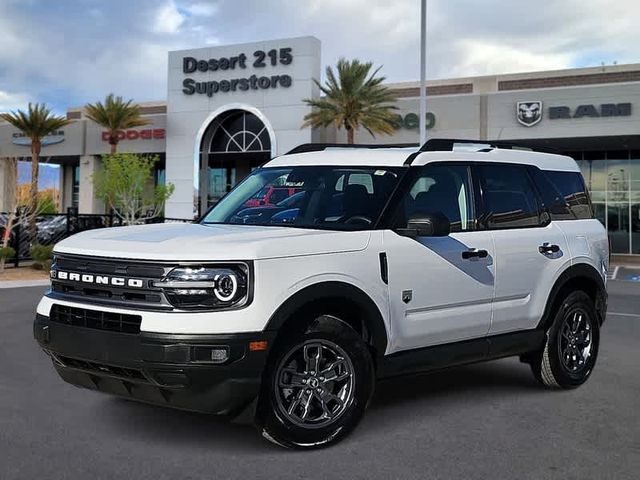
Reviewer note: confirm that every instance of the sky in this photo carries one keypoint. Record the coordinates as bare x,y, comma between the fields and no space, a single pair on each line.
70,52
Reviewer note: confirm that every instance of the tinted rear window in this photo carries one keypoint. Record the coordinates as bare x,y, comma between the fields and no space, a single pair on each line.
572,188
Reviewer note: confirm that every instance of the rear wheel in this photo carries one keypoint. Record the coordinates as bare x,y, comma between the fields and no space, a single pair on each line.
571,347
317,387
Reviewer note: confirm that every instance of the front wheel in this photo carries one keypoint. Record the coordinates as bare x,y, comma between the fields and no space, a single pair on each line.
317,386
571,348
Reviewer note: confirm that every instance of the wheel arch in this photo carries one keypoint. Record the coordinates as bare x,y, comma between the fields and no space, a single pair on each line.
581,276
348,302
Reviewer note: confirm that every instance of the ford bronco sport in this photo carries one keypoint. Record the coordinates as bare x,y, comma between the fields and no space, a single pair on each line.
393,261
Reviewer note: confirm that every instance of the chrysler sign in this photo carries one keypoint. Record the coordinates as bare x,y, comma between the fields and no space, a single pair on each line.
19,138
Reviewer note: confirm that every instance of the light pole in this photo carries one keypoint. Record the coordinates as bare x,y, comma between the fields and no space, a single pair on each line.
423,72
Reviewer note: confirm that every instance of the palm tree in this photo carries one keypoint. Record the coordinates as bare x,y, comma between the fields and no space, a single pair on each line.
355,98
115,114
36,123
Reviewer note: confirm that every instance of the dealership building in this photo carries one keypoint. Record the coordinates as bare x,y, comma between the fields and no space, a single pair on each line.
231,108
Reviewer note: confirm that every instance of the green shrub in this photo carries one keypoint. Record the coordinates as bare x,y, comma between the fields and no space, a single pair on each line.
7,252
41,255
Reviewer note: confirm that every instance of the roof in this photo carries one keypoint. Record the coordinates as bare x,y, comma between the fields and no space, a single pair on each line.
390,157
383,157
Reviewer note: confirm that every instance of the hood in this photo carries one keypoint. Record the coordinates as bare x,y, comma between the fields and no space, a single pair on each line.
194,242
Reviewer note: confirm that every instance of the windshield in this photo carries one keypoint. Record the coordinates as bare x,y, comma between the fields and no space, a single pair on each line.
339,198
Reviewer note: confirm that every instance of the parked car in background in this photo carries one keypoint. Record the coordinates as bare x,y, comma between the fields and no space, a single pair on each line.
51,229
267,212
270,195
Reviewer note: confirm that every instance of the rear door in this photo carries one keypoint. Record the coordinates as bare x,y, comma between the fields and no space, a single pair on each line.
531,250
440,288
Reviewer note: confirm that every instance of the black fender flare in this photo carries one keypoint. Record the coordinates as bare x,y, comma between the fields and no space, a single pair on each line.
577,272
324,290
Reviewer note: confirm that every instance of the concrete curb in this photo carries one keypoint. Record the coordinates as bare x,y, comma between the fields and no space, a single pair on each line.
23,283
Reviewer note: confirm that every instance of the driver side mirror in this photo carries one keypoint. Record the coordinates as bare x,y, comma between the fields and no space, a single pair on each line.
426,225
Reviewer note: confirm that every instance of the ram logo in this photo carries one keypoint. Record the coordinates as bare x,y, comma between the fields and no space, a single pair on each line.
97,279
529,113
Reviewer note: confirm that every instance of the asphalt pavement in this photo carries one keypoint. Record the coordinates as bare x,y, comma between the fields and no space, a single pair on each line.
485,421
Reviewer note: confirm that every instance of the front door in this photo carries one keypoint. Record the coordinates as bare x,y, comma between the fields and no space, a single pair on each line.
440,288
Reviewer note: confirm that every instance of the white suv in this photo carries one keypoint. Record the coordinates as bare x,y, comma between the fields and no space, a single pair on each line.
378,262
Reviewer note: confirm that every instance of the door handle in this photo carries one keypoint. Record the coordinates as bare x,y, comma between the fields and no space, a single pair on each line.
545,248
474,254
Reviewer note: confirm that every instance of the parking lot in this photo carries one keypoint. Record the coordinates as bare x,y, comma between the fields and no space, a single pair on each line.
487,421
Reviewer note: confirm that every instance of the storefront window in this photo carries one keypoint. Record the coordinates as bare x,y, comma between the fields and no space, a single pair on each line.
634,193
618,225
75,192
635,226
594,170
618,176
161,176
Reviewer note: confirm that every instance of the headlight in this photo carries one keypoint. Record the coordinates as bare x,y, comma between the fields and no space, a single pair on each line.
207,286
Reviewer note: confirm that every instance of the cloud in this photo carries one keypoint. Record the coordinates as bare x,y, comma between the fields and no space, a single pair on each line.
69,54
202,9
486,58
13,101
168,19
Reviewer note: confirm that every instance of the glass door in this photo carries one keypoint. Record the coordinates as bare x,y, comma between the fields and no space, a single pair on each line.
221,181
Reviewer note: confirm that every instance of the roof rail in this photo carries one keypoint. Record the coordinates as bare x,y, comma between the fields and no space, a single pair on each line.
447,145
318,147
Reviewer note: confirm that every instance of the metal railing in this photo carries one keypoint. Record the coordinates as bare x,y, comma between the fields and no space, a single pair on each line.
53,227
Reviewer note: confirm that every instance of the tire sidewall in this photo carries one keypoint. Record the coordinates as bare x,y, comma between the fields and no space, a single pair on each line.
565,378
277,428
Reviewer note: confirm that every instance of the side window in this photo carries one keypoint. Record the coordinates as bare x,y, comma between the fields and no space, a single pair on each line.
553,201
510,200
571,186
441,188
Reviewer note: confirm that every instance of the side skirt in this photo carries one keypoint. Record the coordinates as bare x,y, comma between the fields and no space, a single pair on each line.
460,353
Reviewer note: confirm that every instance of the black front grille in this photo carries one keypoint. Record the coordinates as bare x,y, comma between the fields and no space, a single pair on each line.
102,369
147,296
81,317
109,266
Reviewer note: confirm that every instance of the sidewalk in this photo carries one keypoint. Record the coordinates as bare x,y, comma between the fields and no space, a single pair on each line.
23,283
630,261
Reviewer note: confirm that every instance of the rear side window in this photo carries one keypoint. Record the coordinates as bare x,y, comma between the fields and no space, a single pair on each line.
510,200
571,186
553,201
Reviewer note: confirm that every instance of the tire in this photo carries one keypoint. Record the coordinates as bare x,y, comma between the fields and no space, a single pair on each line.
571,347
300,406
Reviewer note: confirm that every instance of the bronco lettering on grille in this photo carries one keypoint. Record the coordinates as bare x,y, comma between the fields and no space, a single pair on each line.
97,279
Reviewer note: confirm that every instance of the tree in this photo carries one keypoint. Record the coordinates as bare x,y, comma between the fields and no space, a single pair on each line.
11,181
125,183
356,97
115,115
18,210
36,123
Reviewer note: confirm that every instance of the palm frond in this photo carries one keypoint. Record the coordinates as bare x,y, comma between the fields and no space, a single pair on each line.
115,114
353,96
37,122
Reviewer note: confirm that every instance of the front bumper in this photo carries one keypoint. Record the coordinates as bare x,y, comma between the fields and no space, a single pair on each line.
164,369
